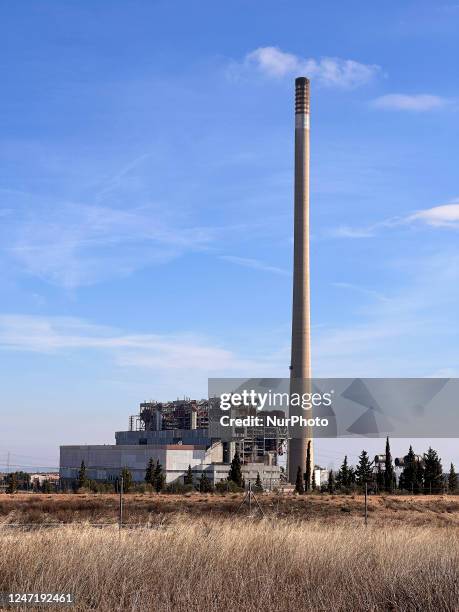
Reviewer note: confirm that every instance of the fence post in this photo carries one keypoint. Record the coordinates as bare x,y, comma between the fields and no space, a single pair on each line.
121,503
366,503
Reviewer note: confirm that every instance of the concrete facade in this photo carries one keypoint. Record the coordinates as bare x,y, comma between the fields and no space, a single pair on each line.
269,474
105,462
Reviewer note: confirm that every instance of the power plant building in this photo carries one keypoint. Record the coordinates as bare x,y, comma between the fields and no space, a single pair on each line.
153,434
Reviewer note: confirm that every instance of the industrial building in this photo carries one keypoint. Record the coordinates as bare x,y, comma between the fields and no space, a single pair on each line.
105,462
178,435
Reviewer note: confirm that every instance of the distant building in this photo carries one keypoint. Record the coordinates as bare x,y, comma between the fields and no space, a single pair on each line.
179,434
52,477
320,476
105,462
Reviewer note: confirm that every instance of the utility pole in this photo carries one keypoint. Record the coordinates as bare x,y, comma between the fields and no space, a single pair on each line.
248,497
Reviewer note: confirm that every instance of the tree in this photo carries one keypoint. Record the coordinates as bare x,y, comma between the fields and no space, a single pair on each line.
235,473
159,477
452,479
299,487
308,473
46,486
389,474
127,479
412,475
433,472
331,482
82,479
12,480
205,486
343,478
258,487
188,478
380,478
351,477
363,473
150,472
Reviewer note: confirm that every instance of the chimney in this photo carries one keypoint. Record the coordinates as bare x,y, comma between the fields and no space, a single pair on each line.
300,367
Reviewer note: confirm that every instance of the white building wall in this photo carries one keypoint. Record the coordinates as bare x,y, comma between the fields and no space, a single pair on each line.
105,462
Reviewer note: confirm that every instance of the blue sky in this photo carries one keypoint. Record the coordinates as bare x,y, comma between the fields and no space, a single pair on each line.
146,156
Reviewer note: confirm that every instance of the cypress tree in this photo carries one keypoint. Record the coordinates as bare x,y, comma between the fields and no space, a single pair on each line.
127,479
258,484
149,472
389,474
299,487
343,477
331,482
82,480
308,473
351,477
412,475
380,478
159,477
418,476
363,473
235,473
433,472
188,478
12,480
452,479
205,485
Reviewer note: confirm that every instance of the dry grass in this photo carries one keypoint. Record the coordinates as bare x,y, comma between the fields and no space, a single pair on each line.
202,565
435,510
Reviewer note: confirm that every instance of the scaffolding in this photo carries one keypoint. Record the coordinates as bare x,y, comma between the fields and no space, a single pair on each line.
259,443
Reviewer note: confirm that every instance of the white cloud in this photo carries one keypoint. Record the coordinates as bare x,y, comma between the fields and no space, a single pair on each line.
330,71
419,102
255,264
273,62
446,215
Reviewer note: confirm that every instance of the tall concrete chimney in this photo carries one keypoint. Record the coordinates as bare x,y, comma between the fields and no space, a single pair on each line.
300,367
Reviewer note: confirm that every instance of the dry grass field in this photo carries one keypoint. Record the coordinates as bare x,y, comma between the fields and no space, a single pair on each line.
435,510
197,554
192,564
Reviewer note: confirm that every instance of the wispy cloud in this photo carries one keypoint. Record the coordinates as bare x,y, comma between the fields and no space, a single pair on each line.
272,62
54,335
417,315
254,264
115,182
406,102
345,231
72,245
363,290
445,215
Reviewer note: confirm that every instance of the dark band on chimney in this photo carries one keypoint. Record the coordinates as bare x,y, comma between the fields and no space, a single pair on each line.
301,95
